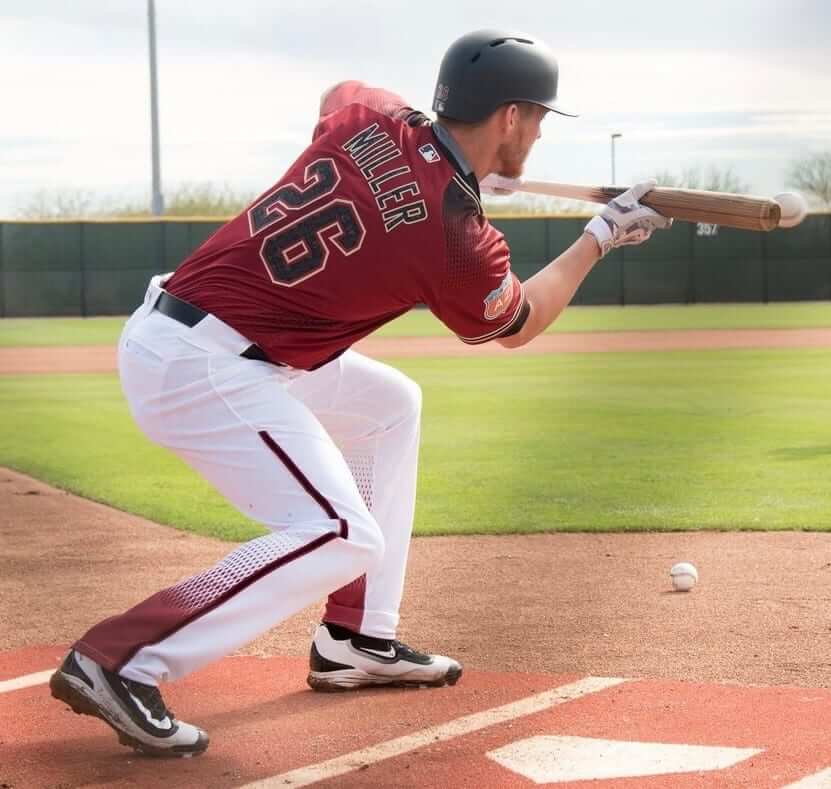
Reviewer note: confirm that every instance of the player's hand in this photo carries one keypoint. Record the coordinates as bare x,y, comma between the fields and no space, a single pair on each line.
499,185
625,221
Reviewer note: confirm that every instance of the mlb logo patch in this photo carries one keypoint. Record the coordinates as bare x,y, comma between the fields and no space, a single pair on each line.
429,153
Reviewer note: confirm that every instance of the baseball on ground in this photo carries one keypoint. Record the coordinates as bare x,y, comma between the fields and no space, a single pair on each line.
684,576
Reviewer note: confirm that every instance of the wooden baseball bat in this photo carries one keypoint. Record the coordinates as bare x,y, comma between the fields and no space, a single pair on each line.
688,205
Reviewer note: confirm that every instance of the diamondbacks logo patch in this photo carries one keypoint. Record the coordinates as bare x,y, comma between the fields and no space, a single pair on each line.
429,153
497,301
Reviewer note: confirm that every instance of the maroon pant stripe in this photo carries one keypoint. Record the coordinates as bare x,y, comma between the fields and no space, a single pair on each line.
115,641
324,503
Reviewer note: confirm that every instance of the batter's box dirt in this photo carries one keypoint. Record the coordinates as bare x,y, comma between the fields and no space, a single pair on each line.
493,729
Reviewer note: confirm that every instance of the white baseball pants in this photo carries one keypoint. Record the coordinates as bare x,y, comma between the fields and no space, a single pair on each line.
326,460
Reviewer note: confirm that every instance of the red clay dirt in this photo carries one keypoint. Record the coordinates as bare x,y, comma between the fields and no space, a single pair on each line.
268,727
101,358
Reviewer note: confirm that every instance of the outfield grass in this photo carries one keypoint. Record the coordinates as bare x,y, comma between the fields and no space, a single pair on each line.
649,441
421,323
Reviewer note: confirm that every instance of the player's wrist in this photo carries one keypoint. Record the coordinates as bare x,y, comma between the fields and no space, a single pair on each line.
591,244
598,229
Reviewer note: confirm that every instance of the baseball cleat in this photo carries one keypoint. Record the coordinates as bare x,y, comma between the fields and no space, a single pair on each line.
341,660
135,711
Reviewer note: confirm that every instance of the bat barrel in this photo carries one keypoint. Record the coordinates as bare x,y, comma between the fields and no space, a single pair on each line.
719,208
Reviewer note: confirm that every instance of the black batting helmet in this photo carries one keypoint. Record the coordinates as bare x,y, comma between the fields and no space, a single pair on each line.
487,68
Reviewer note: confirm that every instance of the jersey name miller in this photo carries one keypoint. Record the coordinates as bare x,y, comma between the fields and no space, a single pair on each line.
497,301
375,153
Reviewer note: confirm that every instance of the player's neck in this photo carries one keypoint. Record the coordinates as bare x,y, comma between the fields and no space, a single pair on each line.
476,146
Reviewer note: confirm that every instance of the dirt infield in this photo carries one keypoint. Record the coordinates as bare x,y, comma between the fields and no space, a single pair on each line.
559,603
101,358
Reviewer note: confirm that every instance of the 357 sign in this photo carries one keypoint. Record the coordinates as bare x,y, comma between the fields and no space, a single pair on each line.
706,229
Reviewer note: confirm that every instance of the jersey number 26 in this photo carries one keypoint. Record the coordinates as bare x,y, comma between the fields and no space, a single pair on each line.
297,249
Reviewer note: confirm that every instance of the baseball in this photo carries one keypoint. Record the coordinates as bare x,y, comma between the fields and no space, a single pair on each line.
684,576
793,206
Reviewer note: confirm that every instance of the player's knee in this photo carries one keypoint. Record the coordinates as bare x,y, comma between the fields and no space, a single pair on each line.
407,400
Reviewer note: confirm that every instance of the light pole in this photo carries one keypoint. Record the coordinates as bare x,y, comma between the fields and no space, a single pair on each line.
614,137
157,201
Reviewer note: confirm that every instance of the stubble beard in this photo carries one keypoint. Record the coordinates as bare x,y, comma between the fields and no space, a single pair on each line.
512,160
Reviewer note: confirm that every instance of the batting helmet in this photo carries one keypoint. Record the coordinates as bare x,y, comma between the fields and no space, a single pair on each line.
488,68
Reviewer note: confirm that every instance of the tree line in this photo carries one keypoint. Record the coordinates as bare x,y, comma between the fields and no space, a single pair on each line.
810,175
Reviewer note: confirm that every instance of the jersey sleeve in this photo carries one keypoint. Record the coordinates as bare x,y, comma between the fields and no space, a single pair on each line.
353,92
479,298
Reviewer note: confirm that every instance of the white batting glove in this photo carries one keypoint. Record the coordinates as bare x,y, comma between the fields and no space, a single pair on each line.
499,185
625,221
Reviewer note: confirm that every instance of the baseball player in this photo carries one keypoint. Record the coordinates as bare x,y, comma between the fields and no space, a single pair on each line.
240,363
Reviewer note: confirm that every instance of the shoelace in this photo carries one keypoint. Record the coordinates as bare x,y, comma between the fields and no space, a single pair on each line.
151,697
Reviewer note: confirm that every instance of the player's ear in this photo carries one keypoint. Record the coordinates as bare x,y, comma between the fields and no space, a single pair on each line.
506,118
513,116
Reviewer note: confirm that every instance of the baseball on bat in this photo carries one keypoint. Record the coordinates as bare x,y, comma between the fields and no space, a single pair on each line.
687,205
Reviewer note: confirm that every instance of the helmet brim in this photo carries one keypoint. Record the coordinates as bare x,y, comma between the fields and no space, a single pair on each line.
555,106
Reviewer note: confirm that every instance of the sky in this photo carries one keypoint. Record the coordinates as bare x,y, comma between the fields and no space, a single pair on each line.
739,84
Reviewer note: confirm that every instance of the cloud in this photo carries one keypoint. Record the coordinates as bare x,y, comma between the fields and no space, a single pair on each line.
684,80
391,32
240,82
745,129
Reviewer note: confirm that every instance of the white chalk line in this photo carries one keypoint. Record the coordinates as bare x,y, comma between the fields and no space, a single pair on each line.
820,780
26,681
340,765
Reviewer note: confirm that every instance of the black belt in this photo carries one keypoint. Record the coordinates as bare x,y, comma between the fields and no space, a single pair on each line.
190,315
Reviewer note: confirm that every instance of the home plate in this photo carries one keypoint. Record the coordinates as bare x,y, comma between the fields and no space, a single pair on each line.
553,759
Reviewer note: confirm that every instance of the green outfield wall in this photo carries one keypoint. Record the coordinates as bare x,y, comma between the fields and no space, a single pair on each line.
102,268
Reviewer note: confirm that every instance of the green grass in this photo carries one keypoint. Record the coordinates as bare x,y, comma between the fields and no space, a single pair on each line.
18,332
649,441
664,317
421,323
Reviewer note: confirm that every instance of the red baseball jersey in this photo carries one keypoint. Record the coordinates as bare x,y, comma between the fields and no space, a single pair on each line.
375,217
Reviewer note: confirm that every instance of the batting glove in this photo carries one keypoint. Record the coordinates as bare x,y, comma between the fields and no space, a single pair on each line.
494,184
625,221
